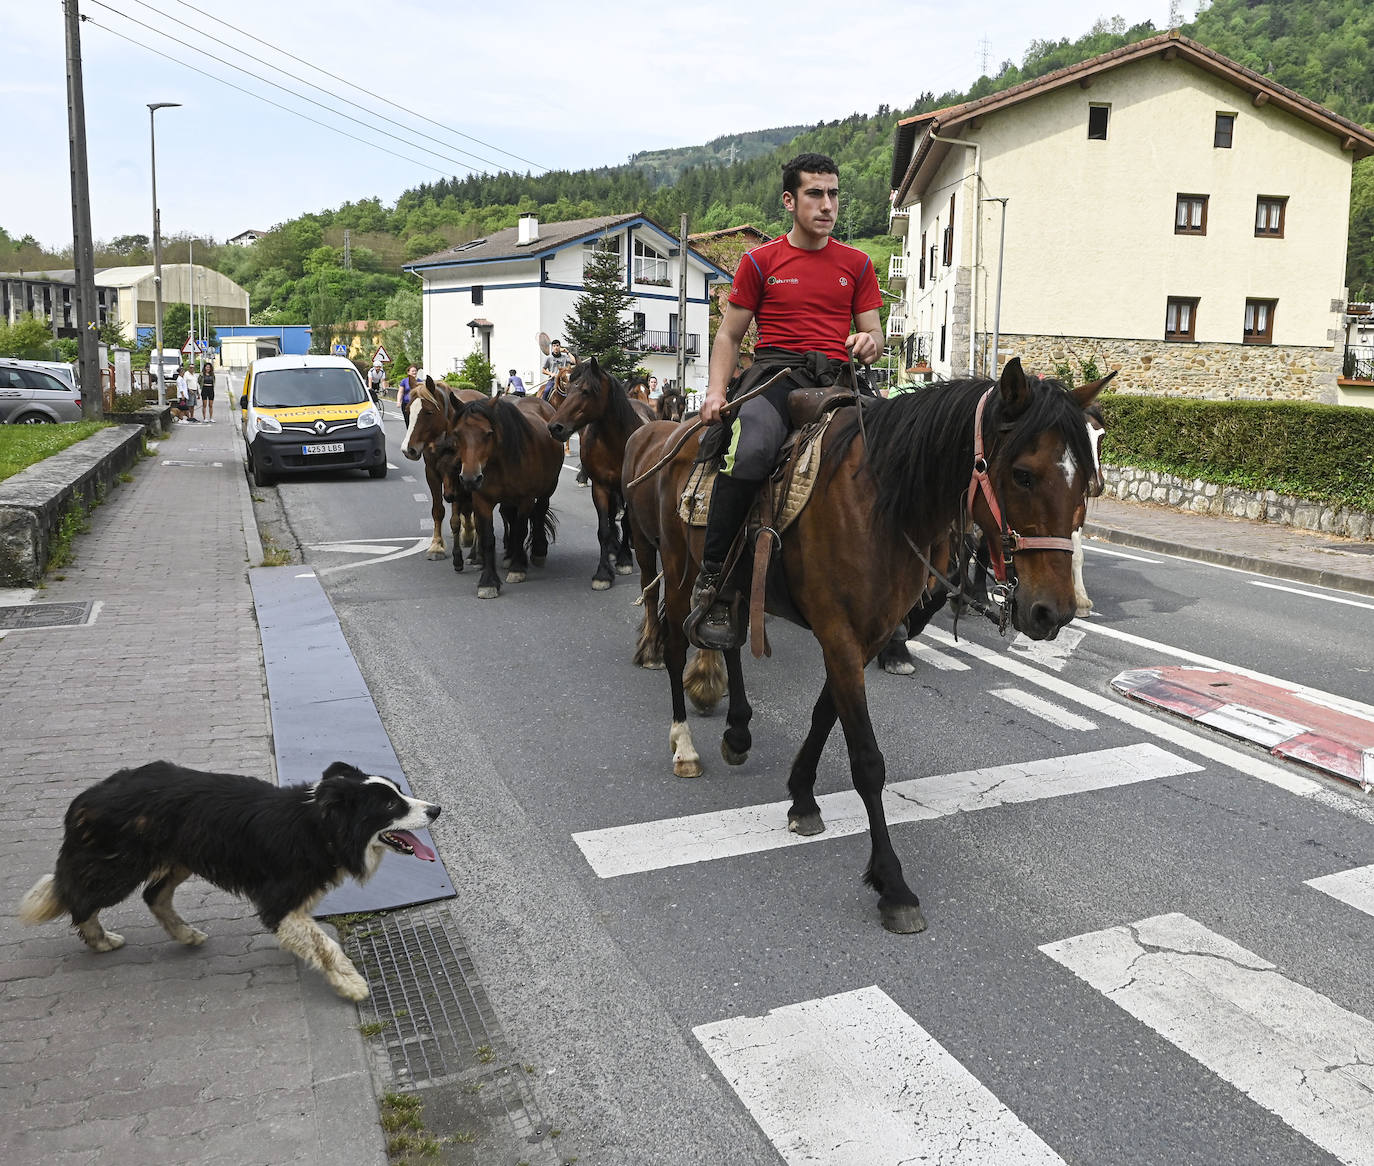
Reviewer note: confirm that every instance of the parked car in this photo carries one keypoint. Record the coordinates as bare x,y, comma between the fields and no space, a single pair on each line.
303,413
32,393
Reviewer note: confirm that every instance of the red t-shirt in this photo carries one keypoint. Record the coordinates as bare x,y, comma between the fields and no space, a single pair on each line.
805,301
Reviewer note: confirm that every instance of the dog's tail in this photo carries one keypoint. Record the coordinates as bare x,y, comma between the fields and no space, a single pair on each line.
41,904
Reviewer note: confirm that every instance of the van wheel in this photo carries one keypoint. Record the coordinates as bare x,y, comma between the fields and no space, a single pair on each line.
32,419
260,476
377,471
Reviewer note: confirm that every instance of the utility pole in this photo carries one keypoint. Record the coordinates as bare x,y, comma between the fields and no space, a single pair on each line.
348,251
682,309
156,362
85,308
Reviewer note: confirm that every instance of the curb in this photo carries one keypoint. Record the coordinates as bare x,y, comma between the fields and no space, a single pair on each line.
1291,571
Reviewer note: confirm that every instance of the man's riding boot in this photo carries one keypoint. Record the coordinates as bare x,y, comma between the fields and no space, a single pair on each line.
715,623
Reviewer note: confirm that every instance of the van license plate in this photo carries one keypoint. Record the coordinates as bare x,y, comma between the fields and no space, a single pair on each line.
330,447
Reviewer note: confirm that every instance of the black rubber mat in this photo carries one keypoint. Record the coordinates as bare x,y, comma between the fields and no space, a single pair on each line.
322,712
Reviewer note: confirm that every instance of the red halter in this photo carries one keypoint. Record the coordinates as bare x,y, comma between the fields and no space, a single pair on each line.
1010,542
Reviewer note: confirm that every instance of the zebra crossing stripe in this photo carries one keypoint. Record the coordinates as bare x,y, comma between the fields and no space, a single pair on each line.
937,660
1044,709
852,1080
1286,1047
645,846
1355,887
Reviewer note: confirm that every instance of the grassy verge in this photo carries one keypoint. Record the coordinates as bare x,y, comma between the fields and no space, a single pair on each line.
23,445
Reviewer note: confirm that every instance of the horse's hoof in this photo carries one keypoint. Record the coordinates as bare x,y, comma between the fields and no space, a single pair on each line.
488,592
515,576
731,757
624,569
436,555
601,584
806,824
902,918
690,768
538,560
899,667
1083,609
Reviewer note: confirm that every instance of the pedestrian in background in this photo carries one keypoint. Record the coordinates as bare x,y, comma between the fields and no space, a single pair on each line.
187,391
515,385
207,392
404,391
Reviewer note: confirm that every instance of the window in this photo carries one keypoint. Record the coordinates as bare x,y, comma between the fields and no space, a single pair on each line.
1179,318
1259,321
650,266
1190,215
639,322
1269,216
1225,131
477,292
1097,122
921,281
949,235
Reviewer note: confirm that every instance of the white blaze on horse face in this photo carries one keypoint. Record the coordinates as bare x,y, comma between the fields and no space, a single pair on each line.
408,446
1068,466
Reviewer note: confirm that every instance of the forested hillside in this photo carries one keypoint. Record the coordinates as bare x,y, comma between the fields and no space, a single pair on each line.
1321,48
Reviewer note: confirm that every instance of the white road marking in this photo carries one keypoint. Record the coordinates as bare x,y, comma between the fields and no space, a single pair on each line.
1312,695
1092,546
1044,709
1286,1047
645,846
852,1080
1313,594
420,545
1053,653
1355,887
937,660
356,548
408,478
420,497
1166,730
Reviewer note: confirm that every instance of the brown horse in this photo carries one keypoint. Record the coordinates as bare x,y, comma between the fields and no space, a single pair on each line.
638,390
671,404
597,405
429,421
499,451
1014,452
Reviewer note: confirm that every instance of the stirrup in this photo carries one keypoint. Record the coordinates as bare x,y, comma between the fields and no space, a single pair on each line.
715,623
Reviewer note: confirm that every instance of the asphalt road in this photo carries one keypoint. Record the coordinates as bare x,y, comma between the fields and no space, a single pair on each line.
627,966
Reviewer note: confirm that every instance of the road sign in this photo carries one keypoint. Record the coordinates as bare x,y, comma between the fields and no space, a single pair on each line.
380,356
189,347
340,350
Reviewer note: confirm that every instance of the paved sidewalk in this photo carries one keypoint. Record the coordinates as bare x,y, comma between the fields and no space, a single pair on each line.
155,1053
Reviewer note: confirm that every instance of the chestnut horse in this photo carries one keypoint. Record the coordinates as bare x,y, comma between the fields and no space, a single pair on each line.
429,418
499,451
597,405
1015,452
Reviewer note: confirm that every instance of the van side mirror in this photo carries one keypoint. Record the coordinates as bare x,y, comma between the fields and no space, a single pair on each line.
243,400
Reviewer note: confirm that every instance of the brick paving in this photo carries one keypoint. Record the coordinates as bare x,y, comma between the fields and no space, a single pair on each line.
228,1053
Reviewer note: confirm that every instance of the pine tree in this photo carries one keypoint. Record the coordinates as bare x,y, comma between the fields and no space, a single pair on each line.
599,325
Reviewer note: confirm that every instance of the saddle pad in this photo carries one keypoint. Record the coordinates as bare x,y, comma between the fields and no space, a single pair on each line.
790,495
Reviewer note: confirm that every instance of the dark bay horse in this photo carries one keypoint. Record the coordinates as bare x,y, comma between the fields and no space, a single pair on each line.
671,404
499,451
429,421
597,405
1015,452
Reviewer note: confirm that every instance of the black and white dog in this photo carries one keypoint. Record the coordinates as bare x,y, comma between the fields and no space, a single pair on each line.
282,849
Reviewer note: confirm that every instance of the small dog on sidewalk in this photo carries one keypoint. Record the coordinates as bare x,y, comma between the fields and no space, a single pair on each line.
282,849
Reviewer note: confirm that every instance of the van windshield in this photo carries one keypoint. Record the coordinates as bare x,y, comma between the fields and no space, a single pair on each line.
283,388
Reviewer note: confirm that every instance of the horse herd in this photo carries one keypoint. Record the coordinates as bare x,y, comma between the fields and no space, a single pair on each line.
900,482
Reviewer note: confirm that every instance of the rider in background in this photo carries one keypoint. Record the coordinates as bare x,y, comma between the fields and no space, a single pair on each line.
806,290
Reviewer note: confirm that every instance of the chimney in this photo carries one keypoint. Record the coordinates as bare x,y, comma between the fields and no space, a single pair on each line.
529,230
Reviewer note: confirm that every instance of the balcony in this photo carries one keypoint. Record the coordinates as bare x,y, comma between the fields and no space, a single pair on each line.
1357,363
916,349
666,342
896,273
896,325
897,222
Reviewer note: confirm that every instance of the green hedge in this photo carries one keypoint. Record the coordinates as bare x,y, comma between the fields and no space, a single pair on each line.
1321,452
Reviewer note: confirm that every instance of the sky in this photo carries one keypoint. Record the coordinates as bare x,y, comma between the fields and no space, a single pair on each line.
464,86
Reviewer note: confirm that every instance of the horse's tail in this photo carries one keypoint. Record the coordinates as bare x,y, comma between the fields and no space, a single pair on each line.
550,525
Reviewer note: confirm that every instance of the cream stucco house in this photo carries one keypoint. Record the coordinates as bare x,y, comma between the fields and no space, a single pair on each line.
499,293
1159,208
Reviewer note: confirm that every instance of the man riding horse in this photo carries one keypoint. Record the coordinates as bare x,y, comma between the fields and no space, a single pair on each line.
805,289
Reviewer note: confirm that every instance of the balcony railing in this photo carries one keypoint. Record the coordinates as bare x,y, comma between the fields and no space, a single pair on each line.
896,325
916,349
667,342
897,222
1358,363
896,272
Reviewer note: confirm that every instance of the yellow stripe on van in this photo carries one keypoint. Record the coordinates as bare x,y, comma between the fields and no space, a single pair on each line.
311,412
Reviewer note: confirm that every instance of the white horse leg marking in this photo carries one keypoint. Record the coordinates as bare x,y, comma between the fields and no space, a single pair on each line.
1082,603
686,760
302,936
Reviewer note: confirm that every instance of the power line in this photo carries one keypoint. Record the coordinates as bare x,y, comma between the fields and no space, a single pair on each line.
258,96
291,92
359,88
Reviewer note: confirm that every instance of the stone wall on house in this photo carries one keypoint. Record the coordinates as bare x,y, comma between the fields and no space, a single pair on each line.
1206,370
1134,485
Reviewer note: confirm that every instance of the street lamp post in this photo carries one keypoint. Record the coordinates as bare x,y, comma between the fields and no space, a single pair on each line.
153,107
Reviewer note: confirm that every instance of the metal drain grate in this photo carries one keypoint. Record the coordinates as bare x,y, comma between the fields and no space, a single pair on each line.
23,616
438,1028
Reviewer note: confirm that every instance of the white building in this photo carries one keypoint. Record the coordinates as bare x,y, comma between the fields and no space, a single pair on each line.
497,294
1167,212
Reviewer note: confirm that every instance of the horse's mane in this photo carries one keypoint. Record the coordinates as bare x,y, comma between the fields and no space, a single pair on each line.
512,431
920,444
618,407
